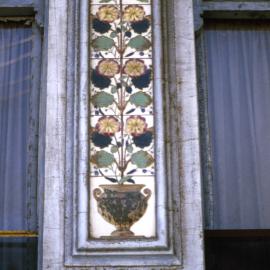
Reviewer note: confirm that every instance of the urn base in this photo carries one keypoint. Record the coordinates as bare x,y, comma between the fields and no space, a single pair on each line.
122,206
122,233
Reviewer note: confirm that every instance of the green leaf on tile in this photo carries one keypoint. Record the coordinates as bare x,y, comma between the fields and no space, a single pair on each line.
129,148
114,149
142,159
107,1
139,43
102,99
141,99
114,89
102,159
103,43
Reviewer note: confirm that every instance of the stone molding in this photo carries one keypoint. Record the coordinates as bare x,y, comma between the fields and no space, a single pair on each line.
64,242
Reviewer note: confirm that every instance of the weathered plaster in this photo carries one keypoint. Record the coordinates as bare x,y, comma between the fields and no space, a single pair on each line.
54,171
187,102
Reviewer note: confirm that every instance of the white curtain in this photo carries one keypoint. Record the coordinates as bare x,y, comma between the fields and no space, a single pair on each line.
238,62
16,209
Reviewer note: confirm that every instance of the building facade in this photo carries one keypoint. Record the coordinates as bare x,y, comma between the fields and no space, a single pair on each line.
64,42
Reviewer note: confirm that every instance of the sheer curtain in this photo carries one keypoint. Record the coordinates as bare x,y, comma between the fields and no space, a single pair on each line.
16,209
238,62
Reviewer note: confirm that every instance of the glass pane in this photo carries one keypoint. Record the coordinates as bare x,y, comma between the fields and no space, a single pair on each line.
18,254
122,167
237,253
17,191
238,63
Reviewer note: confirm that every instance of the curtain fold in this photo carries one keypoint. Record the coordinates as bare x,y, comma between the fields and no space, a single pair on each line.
238,62
15,93
17,188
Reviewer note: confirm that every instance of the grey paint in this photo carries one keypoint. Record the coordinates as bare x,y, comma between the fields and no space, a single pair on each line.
34,109
17,11
16,3
16,8
42,136
233,6
206,156
231,10
20,8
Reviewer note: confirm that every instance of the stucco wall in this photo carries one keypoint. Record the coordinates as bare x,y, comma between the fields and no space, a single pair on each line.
187,101
54,171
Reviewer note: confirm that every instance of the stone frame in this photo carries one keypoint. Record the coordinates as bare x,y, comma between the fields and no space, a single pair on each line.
181,139
100,252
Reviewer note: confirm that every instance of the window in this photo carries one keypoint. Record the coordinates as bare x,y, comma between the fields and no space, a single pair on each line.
20,54
238,106
234,89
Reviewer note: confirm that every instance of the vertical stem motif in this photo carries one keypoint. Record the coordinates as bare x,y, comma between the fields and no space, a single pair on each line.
122,131
122,95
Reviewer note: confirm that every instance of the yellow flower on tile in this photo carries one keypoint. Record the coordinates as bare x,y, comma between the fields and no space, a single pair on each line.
108,13
133,13
136,125
134,68
108,68
108,125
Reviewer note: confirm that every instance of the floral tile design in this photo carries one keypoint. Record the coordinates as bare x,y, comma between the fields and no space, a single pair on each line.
122,145
105,31
103,2
117,2
131,83
139,2
105,88
121,93
137,33
124,33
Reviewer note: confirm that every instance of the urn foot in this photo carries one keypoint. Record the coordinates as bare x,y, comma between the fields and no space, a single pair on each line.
122,233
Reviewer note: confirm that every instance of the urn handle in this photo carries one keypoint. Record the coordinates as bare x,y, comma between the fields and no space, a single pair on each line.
147,193
97,193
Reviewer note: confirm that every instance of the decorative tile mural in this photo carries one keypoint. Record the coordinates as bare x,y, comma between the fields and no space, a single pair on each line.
122,152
